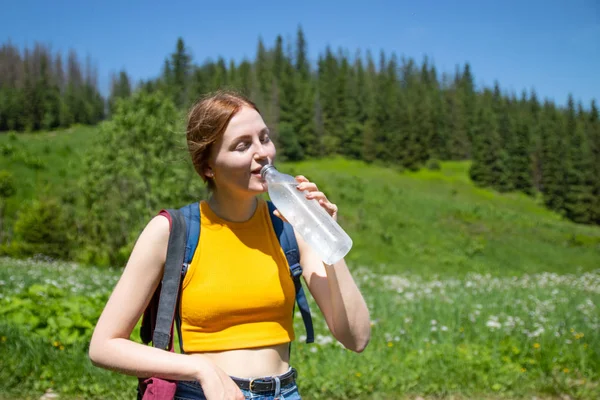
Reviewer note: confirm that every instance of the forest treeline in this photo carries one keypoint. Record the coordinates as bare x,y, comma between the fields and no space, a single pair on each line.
382,108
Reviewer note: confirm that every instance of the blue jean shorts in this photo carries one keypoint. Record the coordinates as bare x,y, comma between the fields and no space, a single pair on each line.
191,390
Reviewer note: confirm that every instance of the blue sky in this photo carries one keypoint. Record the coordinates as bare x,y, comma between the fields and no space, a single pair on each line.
551,46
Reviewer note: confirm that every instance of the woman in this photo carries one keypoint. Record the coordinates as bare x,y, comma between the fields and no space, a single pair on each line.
237,299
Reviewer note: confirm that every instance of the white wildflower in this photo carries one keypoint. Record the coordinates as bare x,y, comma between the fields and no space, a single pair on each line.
492,324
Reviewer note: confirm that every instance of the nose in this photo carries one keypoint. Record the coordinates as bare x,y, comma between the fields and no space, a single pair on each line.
261,152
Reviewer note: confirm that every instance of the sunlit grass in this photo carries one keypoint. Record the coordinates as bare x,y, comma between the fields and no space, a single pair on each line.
472,336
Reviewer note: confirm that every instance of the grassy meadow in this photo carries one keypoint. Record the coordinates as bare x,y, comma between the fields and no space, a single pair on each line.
473,294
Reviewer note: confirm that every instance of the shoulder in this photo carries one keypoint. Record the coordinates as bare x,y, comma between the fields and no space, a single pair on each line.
154,239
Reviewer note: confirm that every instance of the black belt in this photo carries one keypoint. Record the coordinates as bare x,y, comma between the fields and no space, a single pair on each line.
262,385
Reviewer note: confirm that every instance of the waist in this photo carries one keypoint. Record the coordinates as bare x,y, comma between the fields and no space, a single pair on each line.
274,385
251,363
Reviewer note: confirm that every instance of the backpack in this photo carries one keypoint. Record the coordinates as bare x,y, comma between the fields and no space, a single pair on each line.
158,319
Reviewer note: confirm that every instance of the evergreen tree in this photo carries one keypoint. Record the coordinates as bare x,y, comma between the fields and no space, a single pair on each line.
488,167
304,114
519,164
593,133
533,110
302,64
120,89
328,95
262,71
369,152
553,158
459,146
578,199
178,73
466,87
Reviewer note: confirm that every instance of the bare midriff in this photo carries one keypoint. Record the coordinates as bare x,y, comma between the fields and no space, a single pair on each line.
252,363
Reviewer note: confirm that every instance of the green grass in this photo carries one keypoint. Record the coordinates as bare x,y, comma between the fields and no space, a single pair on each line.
436,222
477,336
473,294
44,163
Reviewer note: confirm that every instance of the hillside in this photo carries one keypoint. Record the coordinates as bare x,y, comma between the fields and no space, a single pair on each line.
472,293
426,222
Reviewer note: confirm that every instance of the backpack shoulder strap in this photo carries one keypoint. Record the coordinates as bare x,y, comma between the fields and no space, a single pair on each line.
167,302
191,213
157,324
287,240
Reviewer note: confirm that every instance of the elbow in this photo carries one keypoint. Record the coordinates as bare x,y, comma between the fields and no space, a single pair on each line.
96,353
357,343
93,354
361,344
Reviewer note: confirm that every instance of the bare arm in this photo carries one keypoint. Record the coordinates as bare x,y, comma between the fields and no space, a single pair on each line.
338,297
111,347
333,287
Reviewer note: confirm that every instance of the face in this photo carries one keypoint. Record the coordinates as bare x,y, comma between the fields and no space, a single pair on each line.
237,158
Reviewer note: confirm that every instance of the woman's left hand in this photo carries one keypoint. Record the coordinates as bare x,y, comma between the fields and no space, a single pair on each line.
314,193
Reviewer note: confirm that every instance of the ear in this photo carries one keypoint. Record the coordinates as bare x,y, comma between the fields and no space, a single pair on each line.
208,172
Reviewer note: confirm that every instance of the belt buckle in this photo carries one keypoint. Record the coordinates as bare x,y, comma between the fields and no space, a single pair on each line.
251,384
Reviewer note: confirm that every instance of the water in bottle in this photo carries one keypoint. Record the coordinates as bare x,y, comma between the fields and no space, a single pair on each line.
322,233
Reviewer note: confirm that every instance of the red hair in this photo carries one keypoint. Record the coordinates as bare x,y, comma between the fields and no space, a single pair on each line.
207,122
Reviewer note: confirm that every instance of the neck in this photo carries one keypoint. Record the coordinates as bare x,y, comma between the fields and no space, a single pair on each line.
232,208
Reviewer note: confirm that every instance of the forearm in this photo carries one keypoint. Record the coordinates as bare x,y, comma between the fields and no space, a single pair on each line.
140,360
351,322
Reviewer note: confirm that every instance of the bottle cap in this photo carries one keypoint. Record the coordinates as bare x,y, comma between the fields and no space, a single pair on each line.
264,169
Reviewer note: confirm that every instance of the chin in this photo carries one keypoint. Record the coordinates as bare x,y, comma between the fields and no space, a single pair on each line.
258,188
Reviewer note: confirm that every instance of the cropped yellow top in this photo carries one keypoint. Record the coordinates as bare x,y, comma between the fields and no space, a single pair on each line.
238,292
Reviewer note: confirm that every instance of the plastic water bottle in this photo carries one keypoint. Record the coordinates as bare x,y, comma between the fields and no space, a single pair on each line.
322,233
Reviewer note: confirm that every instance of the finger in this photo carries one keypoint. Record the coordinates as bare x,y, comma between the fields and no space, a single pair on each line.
331,208
316,195
301,178
308,186
233,391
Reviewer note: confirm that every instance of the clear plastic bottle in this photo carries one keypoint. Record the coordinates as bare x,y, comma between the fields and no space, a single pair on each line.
308,217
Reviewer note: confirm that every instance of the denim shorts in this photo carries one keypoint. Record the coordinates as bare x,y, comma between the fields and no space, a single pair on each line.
191,390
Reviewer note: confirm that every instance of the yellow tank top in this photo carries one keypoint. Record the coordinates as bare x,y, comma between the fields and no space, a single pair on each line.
238,292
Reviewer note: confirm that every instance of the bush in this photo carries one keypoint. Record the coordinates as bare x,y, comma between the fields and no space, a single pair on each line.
433,164
7,185
138,166
42,228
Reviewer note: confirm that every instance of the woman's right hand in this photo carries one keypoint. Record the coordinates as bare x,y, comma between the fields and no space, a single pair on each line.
217,385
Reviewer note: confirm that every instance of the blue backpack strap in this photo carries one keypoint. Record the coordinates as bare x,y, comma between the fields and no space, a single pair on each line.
191,214
287,240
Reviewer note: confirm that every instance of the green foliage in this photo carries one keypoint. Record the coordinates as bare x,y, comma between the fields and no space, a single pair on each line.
486,168
291,148
120,89
135,168
43,227
39,95
400,113
433,165
7,185
475,336
50,312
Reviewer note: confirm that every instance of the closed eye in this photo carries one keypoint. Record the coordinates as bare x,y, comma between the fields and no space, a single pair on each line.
242,146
